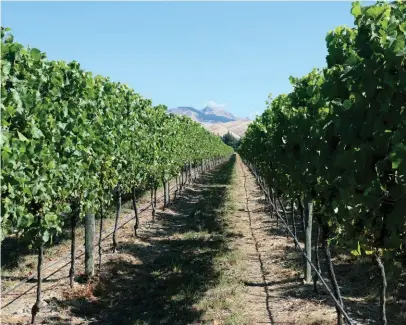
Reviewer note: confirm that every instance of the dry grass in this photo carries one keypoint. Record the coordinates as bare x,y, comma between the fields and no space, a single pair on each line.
80,291
222,304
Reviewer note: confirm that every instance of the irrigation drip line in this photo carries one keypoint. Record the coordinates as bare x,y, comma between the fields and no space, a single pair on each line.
34,286
77,257
127,220
337,303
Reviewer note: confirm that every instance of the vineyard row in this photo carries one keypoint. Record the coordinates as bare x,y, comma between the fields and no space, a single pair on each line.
73,143
335,147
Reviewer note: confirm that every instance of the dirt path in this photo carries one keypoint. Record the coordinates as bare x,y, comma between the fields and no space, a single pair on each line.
274,293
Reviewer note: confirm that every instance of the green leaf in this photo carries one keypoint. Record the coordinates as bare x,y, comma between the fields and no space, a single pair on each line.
6,66
401,53
36,133
402,27
396,163
375,11
22,137
51,217
356,9
356,252
51,164
347,104
36,54
45,236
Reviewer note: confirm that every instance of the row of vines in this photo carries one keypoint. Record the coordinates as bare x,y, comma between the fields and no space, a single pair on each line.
73,143
336,145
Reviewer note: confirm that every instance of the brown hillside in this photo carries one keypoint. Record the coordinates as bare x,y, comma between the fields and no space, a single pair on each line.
237,127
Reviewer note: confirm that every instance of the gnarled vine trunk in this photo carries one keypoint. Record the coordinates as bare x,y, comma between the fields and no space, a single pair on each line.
118,210
292,214
285,215
331,273
168,185
182,183
155,197
100,233
166,193
302,216
134,201
89,245
176,188
308,240
37,306
74,220
271,201
382,298
316,253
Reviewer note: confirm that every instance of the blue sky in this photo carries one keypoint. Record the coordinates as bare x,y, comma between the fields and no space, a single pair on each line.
185,53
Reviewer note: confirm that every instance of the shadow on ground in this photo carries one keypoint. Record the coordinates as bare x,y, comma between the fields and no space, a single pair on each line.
358,278
14,248
173,270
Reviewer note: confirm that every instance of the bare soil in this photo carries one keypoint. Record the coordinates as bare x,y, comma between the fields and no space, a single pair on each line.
274,289
277,293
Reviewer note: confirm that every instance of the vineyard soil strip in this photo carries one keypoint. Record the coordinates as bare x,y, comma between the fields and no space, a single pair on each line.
127,219
34,286
339,306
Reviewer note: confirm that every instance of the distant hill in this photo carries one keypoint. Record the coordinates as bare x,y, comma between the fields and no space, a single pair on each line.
215,120
206,115
236,128
193,113
217,115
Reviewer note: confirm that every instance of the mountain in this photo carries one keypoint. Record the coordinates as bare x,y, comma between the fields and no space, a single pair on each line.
206,115
216,114
193,113
215,120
